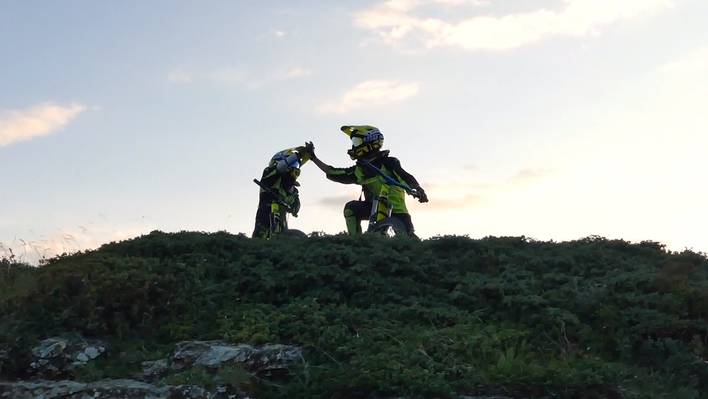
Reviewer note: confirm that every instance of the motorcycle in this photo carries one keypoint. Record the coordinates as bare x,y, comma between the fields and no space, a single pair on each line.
278,215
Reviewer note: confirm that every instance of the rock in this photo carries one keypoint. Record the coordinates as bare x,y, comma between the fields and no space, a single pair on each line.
109,389
155,369
274,357
209,354
93,352
40,389
216,354
56,357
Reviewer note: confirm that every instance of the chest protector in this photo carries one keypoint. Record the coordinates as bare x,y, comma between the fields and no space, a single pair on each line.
375,185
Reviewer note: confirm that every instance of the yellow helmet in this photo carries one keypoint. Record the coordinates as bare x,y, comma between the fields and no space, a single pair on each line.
365,140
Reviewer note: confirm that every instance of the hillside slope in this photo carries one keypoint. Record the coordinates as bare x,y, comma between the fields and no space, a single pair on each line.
592,318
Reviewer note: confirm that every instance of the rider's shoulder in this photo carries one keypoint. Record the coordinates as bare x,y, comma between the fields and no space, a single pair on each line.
388,160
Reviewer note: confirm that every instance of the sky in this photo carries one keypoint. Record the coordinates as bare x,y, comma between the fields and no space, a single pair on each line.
552,119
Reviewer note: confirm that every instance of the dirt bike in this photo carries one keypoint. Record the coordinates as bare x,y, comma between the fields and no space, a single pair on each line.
380,219
278,215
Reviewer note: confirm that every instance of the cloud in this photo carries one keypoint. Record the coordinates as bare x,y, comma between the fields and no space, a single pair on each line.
453,202
295,73
369,93
233,76
396,22
529,175
472,188
37,121
179,76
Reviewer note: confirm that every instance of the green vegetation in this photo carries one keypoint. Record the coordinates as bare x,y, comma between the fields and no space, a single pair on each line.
593,318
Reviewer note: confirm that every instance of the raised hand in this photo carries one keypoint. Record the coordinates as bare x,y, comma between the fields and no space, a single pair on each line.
310,148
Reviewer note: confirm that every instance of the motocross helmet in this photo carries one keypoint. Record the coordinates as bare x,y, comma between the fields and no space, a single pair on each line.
288,162
366,140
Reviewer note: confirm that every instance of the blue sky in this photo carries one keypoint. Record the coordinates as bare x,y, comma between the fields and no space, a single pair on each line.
555,119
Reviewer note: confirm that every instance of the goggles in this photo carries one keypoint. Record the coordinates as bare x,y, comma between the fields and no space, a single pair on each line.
357,141
293,161
288,163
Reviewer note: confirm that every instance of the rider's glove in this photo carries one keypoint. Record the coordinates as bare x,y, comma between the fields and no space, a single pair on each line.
310,148
422,197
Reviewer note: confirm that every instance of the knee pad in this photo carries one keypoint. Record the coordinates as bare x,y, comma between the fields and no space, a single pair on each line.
348,211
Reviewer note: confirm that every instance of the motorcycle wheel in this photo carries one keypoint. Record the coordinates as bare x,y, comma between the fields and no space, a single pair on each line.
293,233
390,227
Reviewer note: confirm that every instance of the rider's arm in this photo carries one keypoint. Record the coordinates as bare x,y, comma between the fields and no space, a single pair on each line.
339,175
323,166
395,165
342,175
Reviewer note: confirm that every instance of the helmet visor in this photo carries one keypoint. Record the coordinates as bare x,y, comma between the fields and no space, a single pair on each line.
292,161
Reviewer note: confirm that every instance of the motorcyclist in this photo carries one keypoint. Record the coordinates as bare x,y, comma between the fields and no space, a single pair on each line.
279,184
366,151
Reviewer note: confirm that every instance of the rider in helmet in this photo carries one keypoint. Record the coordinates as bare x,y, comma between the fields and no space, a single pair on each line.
367,142
279,183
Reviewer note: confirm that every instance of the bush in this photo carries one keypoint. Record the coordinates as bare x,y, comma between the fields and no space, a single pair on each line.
587,318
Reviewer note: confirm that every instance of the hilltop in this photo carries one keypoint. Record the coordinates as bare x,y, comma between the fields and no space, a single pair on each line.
592,318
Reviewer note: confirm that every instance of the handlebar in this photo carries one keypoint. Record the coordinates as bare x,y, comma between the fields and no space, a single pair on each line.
393,182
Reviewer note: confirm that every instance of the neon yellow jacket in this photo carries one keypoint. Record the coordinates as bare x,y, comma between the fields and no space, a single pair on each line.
372,183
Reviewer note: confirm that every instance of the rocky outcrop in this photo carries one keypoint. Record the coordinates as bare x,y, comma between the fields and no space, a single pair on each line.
154,369
56,357
214,355
110,389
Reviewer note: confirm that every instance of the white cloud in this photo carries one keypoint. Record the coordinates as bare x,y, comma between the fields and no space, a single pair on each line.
396,21
179,76
472,188
229,76
234,76
295,73
371,92
37,121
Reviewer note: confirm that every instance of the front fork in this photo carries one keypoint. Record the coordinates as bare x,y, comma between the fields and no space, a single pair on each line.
380,208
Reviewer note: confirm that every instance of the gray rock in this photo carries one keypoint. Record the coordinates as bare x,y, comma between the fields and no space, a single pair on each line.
109,389
273,357
154,369
41,389
92,352
81,357
50,348
216,354
56,357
